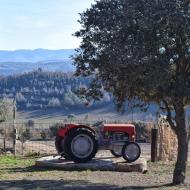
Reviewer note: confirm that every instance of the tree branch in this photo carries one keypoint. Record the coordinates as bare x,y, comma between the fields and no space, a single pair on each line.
169,116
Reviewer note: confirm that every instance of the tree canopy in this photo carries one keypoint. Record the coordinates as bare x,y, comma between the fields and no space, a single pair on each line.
140,49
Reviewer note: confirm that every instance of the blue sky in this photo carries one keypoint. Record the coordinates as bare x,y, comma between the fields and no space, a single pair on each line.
31,24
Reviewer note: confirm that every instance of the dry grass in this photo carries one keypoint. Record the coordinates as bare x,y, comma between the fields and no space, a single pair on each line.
20,174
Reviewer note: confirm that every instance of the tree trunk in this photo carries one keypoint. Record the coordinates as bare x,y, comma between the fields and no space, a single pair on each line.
180,167
182,135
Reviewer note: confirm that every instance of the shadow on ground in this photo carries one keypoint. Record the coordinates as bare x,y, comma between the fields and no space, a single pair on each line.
64,184
61,183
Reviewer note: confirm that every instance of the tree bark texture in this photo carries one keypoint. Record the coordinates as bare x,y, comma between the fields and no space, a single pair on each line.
182,136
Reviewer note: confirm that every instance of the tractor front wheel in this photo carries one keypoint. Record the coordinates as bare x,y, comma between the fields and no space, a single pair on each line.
81,145
131,151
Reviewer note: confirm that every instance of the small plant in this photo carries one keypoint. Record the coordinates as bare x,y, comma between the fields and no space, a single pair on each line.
71,117
26,135
44,135
142,130
54,128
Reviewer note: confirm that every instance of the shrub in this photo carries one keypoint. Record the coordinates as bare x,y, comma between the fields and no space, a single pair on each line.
44,135
54,128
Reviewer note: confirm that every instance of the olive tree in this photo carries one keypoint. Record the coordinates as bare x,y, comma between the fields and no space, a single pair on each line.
140,50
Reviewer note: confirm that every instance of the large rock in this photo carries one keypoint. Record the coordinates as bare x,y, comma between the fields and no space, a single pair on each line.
96,164
138,166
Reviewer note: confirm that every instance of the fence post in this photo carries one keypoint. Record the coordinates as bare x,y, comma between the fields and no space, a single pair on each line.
14,127
154,144
4,145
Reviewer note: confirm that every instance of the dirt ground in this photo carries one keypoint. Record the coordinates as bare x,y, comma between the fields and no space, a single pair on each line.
21,174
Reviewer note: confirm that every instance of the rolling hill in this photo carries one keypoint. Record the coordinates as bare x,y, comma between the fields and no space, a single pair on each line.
21,61
40,92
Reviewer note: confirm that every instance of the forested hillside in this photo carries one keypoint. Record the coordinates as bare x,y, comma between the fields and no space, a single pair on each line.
40,89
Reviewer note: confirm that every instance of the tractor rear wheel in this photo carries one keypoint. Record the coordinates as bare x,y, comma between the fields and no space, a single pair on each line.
81,145
131,151
59,145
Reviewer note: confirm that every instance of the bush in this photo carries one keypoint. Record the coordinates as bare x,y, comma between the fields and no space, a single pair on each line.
54,128
142,131
44,135
25,135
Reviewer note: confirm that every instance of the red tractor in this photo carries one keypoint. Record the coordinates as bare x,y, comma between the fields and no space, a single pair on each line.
80,143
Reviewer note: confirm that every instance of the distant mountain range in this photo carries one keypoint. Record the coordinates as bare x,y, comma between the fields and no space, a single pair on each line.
36,55
20,61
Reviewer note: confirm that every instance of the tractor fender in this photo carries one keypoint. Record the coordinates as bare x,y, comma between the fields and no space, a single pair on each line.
62,132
